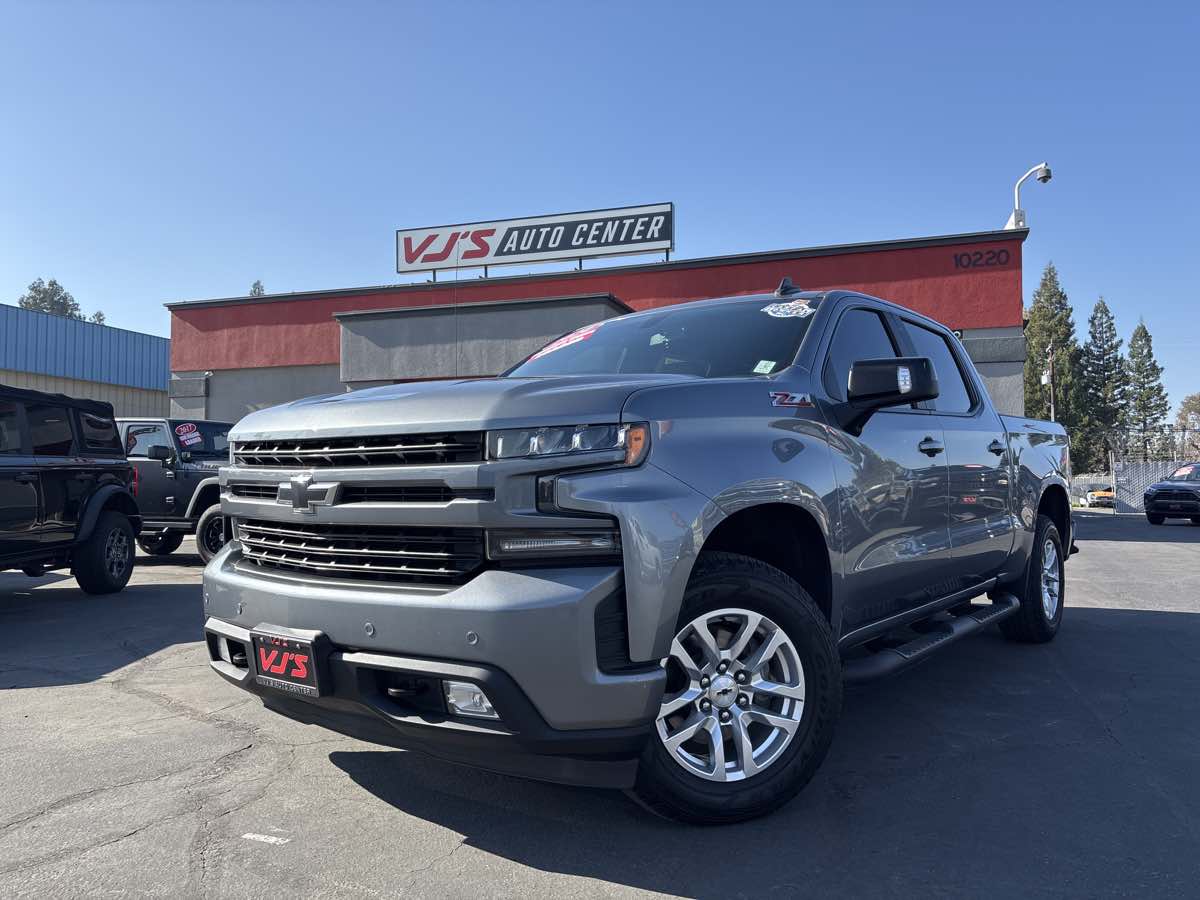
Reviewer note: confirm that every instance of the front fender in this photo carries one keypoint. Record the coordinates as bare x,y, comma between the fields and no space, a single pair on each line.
214,482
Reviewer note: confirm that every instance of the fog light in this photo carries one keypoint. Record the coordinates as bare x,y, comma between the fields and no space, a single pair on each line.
466,699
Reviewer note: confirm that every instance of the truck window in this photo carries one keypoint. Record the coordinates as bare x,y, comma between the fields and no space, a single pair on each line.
860,334
953,394
10,429
50,429
140,438
99,433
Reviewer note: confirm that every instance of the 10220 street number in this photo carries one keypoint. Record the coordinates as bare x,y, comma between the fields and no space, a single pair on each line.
981,258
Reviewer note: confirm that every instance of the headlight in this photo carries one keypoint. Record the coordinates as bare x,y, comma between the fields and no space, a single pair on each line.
563,440
534,543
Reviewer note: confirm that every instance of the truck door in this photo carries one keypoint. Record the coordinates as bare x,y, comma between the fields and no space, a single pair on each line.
18,484
156,478
892,482
65,482
981,520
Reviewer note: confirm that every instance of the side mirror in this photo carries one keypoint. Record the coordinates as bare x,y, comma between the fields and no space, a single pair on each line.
159,452
879,383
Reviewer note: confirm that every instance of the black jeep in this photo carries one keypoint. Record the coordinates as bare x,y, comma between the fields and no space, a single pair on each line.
65,490
176,461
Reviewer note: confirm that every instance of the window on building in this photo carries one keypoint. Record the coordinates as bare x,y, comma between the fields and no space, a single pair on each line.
953,394
50,429
10,428
860,335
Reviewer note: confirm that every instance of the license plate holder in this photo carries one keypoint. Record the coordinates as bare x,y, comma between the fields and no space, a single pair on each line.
290,661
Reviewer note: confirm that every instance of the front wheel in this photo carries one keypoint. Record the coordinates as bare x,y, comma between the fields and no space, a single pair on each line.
161,545
1155,520
754,688
103,564
1042,591
210,533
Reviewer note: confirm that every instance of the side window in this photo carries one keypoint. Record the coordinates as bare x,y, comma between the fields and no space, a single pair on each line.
860,335
50,429
10,427
140,438
953,394
99,433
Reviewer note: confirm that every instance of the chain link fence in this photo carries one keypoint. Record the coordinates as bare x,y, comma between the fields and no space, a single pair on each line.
1140,458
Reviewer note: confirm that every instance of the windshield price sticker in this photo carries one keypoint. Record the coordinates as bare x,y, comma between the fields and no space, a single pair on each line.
192,437
794,309
185,428
580,334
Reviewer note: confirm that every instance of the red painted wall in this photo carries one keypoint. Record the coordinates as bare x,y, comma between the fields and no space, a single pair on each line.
304,332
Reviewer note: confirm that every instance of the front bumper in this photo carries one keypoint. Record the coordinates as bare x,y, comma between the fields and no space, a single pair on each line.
527,637
1172,507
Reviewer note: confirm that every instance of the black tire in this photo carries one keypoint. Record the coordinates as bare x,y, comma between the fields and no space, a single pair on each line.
723,580
161,545
103,564
1155,520
1031,624
210,533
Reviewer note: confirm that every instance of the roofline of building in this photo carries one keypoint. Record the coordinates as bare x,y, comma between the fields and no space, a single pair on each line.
974,237
42,312
488,304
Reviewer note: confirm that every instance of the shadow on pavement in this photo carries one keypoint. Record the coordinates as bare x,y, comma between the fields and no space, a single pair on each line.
995,769
64,636
1092,526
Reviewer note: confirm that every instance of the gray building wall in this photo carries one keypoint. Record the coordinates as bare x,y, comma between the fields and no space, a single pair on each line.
999,355
228,394
469,340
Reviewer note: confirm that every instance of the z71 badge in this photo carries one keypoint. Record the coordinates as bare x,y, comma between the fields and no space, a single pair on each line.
786,398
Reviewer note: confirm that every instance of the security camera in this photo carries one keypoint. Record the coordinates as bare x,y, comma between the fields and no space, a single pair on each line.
1043,174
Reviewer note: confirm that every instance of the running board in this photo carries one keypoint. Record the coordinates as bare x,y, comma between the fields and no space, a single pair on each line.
893,659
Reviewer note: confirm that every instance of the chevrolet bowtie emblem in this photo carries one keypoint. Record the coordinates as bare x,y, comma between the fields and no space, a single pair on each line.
303,495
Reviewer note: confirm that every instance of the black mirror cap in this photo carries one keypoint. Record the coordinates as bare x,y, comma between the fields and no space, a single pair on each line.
159,452
876,383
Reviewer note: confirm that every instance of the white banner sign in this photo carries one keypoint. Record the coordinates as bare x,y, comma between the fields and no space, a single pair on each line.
602,232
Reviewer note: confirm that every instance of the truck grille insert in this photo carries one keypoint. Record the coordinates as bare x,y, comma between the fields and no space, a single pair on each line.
376,450
382,553
1175,497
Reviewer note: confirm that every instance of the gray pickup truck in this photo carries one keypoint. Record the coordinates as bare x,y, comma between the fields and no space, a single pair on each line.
648,556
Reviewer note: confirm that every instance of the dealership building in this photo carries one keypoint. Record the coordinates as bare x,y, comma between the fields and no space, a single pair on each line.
230,356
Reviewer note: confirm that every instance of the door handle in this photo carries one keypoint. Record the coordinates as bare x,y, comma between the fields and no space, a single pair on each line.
997,447
930,447
25,477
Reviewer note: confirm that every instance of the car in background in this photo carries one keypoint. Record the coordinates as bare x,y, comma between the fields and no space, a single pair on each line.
66,498
176,462
1100,496
1175,497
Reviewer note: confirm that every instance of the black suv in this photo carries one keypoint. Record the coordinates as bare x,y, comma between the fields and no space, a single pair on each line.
176,462
65,490
1175,497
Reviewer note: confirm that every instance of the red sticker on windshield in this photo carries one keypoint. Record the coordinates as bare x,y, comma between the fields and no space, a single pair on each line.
185,428
579,334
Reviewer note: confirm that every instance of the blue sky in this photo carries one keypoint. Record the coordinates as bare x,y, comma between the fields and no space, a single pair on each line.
161,151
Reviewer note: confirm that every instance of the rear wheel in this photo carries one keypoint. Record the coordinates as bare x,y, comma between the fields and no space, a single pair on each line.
161,545
210,533
1155,520
103,564
1042,590
754,688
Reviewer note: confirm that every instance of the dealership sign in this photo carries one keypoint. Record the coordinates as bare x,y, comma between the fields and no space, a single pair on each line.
601,232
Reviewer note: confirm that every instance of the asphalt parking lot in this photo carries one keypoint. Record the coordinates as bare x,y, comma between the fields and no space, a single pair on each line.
994,770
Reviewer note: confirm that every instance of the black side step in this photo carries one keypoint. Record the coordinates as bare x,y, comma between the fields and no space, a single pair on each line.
894,659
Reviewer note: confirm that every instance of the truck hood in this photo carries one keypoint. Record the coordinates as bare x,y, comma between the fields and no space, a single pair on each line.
459,405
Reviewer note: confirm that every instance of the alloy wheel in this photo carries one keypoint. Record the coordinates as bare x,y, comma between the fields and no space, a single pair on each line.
735,695
1051,580
116,553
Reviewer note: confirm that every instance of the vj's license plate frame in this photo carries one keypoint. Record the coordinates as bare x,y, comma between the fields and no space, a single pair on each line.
288,661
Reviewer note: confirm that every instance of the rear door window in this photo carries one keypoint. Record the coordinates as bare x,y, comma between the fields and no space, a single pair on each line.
10,427
99,433
860,335
953,394
50,429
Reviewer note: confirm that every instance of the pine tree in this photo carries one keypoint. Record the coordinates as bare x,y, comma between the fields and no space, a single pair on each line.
257,289
1050,323
1104,376
1148,404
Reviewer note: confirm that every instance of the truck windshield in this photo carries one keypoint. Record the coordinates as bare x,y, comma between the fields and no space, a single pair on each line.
1190,472
207,440
754,337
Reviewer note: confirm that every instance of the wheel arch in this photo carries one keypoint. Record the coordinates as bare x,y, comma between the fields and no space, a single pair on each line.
207,493
109,497
1056,504
785,536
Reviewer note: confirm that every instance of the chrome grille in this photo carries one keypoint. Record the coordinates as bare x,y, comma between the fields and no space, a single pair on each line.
375,450
1175,497
255,491
376,552
410,493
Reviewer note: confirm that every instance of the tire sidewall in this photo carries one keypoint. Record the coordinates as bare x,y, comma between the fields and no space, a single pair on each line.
206,520
730,801
1047,532
91,570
